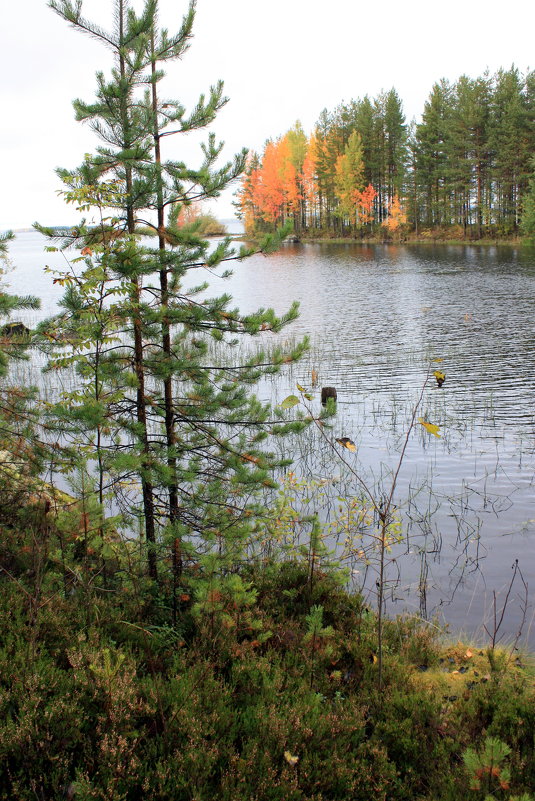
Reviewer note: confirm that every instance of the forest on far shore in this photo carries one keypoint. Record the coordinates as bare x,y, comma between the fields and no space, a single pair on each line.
466,170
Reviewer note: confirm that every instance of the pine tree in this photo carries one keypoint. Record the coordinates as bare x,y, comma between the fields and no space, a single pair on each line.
10,346
512,139
329,146
193,429
19,416
396,145
248,196
365,125
432,155
121,125
528,210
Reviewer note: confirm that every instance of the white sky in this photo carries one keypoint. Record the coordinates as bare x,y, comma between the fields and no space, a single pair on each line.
281,60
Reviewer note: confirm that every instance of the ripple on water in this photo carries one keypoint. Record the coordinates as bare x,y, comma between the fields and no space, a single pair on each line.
376,315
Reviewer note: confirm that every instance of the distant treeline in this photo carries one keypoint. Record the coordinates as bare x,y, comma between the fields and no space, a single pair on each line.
465,167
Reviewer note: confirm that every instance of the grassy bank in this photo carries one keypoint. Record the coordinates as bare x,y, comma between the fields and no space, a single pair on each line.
415,240
431,237
412,240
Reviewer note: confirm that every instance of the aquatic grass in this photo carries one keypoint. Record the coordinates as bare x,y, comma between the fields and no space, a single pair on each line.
441,513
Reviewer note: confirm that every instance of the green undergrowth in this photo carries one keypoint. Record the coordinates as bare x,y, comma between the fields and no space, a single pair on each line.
265,689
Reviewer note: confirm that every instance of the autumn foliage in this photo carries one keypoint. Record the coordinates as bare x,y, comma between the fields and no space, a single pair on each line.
465,170
311,181
275,186
396,216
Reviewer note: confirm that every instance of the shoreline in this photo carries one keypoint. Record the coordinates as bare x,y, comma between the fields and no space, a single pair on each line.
516,242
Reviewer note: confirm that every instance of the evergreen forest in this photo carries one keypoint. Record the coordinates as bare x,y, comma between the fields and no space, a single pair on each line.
463,172
164,633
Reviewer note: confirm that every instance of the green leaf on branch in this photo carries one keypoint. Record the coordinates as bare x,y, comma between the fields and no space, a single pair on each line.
289,402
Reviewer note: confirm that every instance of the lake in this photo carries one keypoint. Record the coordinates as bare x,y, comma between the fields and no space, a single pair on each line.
377,316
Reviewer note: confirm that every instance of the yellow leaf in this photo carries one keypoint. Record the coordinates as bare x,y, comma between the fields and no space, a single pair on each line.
300,388
440,377
347,443
290,759
438,360
287,403
430,427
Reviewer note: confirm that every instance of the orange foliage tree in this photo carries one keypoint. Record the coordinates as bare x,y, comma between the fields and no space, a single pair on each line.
364,201
188,215
270,190
304,179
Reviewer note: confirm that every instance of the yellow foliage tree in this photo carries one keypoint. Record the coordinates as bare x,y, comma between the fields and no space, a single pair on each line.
396,216
349,176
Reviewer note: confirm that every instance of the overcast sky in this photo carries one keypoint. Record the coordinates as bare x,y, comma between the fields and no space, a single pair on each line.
281,60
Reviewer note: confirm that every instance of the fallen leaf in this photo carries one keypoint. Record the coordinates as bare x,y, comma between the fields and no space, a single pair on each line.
347,443
430,427
290,759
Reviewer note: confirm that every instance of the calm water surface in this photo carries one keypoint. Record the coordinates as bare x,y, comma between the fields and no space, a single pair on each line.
376,316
